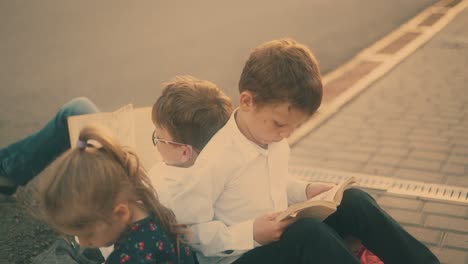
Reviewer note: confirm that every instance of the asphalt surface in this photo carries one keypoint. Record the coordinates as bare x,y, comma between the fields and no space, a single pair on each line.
116,52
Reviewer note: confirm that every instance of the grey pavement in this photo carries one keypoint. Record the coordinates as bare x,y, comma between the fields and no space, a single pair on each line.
410,124
117,51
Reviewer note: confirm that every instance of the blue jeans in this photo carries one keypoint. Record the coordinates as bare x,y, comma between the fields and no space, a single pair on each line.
22,161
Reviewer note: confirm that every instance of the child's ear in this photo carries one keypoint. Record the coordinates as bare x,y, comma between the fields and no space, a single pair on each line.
186,153
246,100
122,213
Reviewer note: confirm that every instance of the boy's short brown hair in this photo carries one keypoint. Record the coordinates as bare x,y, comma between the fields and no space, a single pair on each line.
283,71
191,110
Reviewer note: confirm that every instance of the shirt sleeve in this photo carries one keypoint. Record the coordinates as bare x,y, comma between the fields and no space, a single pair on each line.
296,190
193,204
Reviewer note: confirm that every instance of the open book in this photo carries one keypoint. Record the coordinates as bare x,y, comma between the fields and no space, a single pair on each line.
319,206
131,126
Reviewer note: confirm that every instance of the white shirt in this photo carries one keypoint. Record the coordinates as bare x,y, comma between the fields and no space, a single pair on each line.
232,182
166,180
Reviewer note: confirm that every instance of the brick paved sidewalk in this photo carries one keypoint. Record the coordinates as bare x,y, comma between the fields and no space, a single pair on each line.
411,124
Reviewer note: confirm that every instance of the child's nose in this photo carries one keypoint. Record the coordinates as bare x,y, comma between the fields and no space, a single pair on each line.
286,133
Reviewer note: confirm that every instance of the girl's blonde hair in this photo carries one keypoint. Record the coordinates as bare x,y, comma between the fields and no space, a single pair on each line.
85,183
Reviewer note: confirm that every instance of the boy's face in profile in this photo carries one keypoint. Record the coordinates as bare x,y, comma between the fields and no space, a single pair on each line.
272,122
172,153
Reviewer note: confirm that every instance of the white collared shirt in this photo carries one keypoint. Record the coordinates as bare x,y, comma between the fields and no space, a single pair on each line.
232,182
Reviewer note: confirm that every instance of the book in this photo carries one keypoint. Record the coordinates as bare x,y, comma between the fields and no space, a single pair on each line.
319,206
132,127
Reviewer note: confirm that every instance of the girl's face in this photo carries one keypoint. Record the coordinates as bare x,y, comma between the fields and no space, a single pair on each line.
100,234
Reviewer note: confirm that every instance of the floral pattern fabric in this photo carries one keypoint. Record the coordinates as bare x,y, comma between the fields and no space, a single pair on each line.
147,242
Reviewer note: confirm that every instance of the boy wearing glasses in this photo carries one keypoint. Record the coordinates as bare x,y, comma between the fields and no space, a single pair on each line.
186,115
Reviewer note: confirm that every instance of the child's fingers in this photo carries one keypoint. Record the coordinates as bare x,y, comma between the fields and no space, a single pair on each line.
272,216
287,222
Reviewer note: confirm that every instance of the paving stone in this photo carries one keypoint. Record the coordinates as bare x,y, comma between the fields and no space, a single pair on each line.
450,256
370,142
314,162
456,240
395,133
308,152
427,145
445,209
405,216
438,139
378,169
421,164
342,141
457,131
450,223
401,203
394,150
362,148
421,132
385,159
425,235
461,150
435,125
441,122
460,139
412,117
457,180
394,143
419,175
462,130
408,123
343,165
349,156
428,155
458,159
452,168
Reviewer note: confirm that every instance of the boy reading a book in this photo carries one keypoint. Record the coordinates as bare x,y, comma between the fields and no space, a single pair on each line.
241,176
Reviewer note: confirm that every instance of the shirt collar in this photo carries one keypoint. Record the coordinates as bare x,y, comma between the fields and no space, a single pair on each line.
249,149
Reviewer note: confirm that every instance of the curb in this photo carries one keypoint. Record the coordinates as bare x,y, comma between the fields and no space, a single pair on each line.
352,78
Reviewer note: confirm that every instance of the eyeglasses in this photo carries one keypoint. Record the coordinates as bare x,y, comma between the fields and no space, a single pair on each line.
156,140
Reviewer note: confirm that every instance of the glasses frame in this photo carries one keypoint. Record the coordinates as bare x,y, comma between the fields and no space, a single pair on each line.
157,140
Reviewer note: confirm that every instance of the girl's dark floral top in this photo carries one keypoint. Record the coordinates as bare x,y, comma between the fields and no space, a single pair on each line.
147,242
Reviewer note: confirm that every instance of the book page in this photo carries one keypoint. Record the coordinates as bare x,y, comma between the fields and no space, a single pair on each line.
326,196
120,123
320,205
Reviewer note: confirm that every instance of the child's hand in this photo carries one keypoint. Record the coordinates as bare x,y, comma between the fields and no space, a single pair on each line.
266,229
184,231
317,188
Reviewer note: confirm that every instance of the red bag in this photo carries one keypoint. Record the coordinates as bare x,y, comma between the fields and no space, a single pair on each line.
367,257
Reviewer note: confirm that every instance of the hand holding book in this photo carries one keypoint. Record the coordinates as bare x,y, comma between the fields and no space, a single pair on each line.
320,204
266,229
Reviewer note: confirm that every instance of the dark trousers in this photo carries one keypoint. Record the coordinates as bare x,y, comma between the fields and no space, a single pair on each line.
313,241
